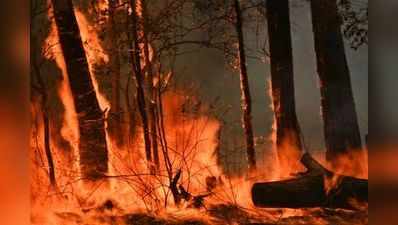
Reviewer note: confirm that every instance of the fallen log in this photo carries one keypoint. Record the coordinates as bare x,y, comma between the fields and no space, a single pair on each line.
318,187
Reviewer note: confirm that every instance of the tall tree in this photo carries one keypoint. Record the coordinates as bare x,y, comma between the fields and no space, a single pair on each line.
338,108
149,83
92,143
42,90
280,47
139,79
245,91
116,117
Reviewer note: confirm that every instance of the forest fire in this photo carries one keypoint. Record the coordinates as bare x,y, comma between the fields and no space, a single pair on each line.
95,54
158,155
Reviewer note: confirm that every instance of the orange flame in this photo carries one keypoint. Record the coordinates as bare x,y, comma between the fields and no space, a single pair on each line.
191,136
69,130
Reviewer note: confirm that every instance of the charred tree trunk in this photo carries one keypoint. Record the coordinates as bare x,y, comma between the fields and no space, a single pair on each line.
139,78
310,190
245,91
131,113
116,116
280,47
150,88
92,143
50,160
46,122
130,99
338,108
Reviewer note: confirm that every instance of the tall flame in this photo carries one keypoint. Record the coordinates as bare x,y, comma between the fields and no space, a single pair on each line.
69,130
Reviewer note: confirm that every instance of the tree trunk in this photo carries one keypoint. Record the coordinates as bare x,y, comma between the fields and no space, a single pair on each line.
245,92
131,113
150,88
92,143
283,96
139,79
46,123
338,108
116,116
50,160
310,190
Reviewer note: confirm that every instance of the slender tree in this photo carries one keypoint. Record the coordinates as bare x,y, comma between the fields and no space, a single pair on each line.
338,108
92,143
116,117
42,90
151,94
245,91
139,79
280,48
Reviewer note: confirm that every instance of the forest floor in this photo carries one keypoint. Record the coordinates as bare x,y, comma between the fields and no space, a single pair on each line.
221,214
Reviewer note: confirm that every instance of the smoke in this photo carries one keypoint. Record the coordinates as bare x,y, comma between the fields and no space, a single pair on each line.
217,80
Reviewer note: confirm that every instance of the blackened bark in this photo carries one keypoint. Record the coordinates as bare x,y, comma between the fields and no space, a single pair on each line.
282,78
46,122
92,143
130,101
139,78
245,91
338,108
150,88
50,160
116,117
131,113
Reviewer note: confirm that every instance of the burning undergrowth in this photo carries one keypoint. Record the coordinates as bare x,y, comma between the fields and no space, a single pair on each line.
133,194
179,181
187,187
